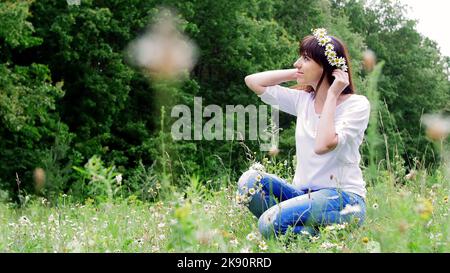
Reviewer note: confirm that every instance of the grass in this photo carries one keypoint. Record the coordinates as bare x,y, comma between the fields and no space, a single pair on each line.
402,216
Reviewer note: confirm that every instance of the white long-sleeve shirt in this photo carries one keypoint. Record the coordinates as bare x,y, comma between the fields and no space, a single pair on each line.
338,168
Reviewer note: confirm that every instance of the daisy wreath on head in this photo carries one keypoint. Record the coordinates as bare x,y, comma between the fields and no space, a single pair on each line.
325,41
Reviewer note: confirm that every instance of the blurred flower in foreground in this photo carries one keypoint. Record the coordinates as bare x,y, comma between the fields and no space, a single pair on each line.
274,151
411,175
424,208
163,51
438,126
369,60
39,178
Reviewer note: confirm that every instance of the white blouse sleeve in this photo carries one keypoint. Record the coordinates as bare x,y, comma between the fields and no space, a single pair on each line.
350,126
283,98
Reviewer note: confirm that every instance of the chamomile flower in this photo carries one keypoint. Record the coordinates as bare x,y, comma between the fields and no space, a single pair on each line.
329,47
252,191
234,242
320,32
323,41
330,53
251,236
262,245
334,61
327,245
257,167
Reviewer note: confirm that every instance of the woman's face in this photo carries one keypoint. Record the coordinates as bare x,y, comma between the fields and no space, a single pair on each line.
308,71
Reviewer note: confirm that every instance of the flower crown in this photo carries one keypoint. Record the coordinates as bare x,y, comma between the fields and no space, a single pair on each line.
325,41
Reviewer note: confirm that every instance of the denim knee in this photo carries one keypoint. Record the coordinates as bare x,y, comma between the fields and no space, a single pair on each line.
267,223
247,179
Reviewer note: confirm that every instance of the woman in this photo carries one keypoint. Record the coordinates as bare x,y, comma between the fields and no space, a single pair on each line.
328,186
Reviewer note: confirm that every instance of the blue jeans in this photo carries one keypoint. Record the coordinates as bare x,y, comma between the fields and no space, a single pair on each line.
279,205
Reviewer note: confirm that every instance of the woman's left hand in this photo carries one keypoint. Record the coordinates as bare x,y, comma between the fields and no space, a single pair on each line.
340,82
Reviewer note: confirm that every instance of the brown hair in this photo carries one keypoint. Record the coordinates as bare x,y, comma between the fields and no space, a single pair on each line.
309,46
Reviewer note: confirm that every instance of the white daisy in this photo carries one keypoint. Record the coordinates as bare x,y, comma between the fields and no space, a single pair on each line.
262,245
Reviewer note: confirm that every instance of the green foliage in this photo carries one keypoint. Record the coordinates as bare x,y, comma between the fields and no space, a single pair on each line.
103,183
16,30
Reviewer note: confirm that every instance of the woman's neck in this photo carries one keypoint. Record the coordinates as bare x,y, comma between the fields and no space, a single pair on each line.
321,93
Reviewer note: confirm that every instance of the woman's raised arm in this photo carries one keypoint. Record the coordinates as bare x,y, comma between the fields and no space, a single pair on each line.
259,81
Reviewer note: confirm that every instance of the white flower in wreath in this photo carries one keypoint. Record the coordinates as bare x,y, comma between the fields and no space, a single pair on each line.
330,53
329,47
325,40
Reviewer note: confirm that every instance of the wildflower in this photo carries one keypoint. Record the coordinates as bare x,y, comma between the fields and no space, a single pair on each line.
257,167
234,242
24,221
119,179
155,248
436,236
140,242
325,40
333,61
330,228
304,232
161,225
251,236
350,209
320,32
375,206
245,250
327,245
75,245
162,237
252,191
262,245
424,208
365,240
329,47
258,178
